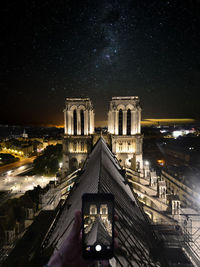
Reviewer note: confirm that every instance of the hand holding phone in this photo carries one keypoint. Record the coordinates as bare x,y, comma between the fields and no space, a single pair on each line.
97,226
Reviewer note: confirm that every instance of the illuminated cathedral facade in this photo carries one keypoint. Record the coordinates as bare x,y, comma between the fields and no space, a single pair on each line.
124,131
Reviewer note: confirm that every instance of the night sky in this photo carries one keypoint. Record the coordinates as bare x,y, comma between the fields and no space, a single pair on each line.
97,48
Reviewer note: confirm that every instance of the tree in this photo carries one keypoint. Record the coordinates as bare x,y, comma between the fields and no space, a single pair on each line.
48,163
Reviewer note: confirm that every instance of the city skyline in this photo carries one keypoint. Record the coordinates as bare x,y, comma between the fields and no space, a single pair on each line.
99,49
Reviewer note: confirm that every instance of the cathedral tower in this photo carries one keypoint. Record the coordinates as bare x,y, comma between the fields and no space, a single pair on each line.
124,125
78,128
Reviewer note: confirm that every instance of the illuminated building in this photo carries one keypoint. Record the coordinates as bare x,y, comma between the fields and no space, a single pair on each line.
141,243
79,127
184,184
159,239
124,125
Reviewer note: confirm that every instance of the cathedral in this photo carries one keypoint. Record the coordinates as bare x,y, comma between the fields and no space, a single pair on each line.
123,136
152,227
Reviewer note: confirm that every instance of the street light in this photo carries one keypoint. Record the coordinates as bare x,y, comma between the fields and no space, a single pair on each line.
60,165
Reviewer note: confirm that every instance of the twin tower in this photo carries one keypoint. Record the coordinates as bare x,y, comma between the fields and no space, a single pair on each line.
124,131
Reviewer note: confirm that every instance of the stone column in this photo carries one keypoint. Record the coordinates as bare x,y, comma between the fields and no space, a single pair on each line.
113,121
139,120
109,121
124,122
110,129
70,120
132,122
176,204
92,122
85,122
116,122
89,118
136,121
65,121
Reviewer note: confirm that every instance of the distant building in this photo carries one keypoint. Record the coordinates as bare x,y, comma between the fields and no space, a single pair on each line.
124,125
185,183
78,131
24,135
124,131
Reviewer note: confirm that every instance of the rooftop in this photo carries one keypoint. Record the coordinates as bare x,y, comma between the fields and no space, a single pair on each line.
139,245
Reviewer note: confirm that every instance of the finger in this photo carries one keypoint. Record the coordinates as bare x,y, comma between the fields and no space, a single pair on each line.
116,218
105,263
76,228
115,233
116,244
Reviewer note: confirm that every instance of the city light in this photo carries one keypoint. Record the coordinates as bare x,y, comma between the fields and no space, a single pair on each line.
22,168
161,162
60,165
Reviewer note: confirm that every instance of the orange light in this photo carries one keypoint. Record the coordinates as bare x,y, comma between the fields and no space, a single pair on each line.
161,162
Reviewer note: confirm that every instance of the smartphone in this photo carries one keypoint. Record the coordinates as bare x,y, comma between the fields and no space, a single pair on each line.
97,226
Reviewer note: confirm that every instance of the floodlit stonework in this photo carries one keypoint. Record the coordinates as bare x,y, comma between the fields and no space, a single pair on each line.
124,131
78,131
124,125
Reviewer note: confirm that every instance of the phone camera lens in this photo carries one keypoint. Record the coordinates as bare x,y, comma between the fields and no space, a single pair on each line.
98,247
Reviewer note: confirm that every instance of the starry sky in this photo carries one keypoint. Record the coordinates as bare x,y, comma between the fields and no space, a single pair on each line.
98,49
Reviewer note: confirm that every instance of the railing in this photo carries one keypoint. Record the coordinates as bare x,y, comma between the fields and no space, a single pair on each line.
191,228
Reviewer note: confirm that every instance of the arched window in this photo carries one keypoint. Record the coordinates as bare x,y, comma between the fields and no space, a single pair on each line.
93,209
120,121
128,126
82,122
82,146
120,146
74,147
75,122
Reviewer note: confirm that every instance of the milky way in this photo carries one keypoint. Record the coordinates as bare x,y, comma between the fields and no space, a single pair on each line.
57,49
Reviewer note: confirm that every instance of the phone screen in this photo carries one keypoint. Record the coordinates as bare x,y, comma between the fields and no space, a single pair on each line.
97,225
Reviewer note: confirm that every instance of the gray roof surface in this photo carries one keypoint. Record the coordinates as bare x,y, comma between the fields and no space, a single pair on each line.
101,173
98,234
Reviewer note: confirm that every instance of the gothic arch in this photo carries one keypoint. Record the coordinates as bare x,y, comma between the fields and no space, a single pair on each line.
129,106
120,106
81,107
73,107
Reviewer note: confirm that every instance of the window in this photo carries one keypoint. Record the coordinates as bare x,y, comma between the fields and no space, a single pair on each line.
82,146
120,146
120,121
128,126
75,122
74,146
82,122
104,211
93,209
129,146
